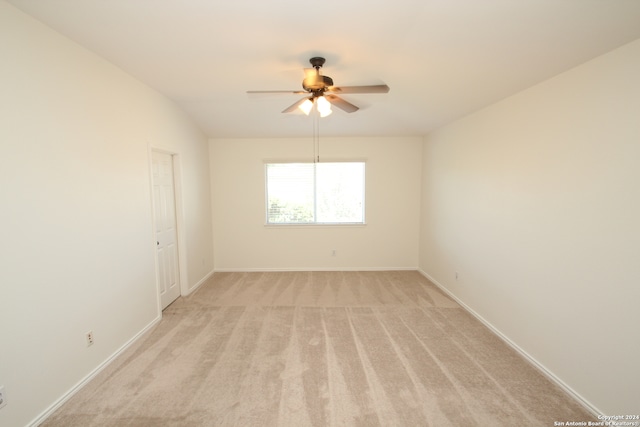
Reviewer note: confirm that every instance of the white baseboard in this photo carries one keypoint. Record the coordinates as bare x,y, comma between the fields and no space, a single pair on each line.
546,372
284,269
56,405
69,394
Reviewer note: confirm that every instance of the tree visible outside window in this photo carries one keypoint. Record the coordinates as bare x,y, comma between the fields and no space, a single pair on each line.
315,193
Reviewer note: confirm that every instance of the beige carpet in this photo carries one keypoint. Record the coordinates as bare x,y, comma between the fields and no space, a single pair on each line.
318,349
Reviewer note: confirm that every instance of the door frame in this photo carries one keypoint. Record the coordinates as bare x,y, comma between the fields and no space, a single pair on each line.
180,227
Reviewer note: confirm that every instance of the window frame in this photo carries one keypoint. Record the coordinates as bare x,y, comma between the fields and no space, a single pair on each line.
315,200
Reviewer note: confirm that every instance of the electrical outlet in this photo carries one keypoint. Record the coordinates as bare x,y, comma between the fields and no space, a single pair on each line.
3,397
89,337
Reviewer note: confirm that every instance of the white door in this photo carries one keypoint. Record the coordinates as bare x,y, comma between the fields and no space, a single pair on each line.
164,203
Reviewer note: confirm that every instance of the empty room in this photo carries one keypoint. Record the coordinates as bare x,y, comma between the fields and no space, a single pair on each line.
409,213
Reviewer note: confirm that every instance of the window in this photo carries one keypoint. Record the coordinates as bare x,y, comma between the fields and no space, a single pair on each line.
315,193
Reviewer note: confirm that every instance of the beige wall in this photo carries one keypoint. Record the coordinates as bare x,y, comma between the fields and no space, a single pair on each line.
535,202
77,250
388,240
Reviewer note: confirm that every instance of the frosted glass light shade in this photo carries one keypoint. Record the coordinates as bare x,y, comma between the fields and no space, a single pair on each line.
306,106
324,107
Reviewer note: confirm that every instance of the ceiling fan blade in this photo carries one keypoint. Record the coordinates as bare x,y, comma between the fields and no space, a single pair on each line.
295,105
359,89
296,92
341,103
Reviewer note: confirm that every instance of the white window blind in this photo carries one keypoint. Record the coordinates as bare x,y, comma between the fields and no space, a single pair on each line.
315,193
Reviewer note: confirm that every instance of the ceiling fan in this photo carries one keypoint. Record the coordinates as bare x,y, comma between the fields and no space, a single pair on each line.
319,90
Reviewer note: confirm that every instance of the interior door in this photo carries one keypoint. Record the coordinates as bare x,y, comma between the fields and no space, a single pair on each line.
164,202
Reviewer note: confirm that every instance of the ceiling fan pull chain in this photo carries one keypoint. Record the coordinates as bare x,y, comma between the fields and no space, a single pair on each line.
316,119
315,136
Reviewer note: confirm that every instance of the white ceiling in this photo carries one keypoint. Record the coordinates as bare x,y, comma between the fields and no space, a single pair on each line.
441,58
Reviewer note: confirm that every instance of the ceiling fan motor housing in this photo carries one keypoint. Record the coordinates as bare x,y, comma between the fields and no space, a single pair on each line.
316,83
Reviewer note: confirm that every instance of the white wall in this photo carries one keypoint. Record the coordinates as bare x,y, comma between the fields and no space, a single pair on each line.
77,249
388,240
535,201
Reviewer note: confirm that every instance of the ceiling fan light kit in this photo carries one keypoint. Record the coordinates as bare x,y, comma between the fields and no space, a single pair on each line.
323,92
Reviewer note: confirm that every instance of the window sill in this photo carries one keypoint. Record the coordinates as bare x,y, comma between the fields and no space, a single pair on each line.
318,225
